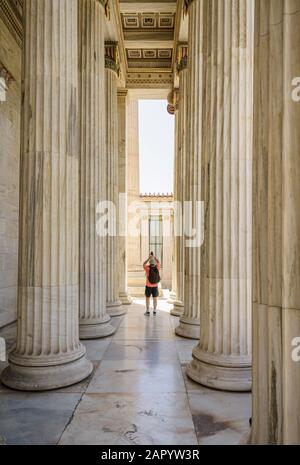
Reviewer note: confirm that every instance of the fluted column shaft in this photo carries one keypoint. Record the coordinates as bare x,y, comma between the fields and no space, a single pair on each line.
180,174
190,319
134,241
222,359
114,305
276,224
123,190
94,321
48,354
173,292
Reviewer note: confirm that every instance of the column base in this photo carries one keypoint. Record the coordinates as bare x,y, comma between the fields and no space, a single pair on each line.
172,297
246,439
46,378
189,328
229,375
177,309
115,309
171,301
125,298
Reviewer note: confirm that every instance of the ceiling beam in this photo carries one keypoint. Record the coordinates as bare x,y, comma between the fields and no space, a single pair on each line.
148,94
148,7
144,36
140,44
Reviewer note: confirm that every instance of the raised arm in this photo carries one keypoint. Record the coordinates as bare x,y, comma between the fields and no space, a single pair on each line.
157,263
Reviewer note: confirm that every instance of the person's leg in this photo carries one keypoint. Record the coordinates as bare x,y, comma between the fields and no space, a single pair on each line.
148,297
155,300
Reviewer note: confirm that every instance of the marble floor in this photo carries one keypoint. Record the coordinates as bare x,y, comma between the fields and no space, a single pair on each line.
137,394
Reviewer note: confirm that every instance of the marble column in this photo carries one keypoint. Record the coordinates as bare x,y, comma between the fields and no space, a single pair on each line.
94,321
113,302
276,224
135,259
48,354
179,194
123,190
173,293
222,360
189,326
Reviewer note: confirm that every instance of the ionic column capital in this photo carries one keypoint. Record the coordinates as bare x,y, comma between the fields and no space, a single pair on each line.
186,5
173,100
106,6
112,60
122,93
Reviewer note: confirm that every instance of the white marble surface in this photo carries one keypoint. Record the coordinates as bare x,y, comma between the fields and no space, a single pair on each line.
94,320
48,352
114,304
10,56
276,286
138,394
223,358
123,190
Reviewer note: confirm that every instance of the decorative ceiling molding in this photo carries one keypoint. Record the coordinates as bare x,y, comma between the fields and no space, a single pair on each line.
148,31
150,54
149,80
164,6
165,54
160,54
149,66
148,22
134,54
11,14
131,21
166,21
139,41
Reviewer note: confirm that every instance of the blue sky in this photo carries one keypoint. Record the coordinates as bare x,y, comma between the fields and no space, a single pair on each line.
156,128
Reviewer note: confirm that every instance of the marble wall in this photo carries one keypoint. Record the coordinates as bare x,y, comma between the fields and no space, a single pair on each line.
10,59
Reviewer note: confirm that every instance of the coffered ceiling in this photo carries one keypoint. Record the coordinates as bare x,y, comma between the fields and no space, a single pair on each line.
148,34
148,31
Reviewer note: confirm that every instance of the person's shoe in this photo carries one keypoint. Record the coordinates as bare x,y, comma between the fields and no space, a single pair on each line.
147,313
154,312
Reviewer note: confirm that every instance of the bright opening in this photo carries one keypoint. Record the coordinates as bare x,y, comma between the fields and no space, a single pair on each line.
156,131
